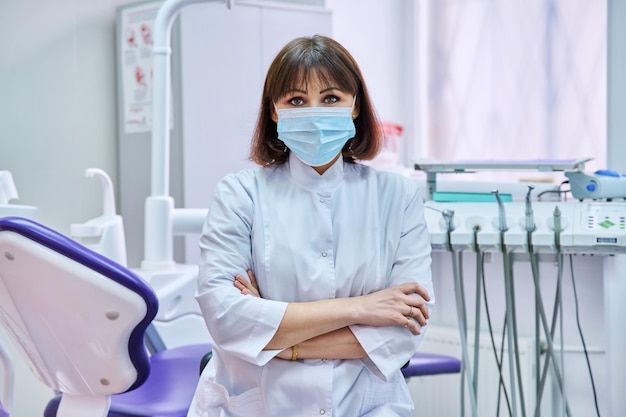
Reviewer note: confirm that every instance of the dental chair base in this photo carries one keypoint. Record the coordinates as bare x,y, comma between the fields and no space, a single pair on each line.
167,391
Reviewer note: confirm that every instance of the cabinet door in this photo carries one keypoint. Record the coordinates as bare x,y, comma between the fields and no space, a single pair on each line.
221,85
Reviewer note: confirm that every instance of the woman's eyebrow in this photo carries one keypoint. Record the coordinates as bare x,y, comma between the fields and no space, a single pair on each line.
330,88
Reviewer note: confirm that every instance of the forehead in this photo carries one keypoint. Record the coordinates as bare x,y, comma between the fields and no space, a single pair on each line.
312,79
315,83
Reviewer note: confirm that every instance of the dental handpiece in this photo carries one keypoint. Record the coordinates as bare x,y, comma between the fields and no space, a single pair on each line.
447,216
556,216
529,216
501,214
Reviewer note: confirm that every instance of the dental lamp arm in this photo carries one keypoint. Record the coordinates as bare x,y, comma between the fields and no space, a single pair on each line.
158,234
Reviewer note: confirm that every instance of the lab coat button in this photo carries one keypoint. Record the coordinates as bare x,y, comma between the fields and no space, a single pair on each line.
324,254
322,200
322,412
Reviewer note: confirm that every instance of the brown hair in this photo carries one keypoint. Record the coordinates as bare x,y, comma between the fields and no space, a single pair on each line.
301,59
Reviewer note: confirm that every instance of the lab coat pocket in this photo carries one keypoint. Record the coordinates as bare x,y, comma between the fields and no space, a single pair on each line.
212,400
381,394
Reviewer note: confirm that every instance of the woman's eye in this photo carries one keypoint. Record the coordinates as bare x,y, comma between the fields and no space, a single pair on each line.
296,101
331,99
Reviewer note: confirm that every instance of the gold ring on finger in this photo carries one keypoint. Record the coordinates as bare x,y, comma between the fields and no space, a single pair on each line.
411,311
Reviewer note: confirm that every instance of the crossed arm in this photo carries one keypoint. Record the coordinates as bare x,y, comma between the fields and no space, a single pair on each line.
321,328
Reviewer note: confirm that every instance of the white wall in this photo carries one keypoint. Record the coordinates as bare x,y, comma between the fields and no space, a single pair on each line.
373,32
380,36
57,112
57,118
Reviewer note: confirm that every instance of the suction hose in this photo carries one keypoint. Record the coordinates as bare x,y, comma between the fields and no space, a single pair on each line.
461,313
511,328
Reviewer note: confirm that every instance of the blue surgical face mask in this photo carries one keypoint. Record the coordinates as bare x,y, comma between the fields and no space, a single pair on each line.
316,134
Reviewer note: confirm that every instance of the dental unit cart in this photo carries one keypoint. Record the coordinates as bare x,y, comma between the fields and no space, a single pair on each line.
594,224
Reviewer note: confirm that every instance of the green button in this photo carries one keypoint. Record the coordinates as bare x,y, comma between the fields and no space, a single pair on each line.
607,224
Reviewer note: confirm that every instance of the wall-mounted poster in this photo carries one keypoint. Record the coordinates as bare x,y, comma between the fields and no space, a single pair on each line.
135,43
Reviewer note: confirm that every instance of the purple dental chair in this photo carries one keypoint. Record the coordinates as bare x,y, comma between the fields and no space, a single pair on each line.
422,364
80,321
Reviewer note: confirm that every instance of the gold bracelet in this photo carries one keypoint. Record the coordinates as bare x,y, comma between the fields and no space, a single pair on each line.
294,353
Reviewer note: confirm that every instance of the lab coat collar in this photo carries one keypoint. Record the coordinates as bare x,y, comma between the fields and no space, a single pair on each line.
307,177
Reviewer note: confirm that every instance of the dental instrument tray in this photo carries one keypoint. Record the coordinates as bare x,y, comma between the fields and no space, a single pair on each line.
542,165
432,168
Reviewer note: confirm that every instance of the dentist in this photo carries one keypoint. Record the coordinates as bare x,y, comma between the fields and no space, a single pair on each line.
315,278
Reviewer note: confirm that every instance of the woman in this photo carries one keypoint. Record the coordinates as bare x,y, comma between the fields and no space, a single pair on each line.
335,255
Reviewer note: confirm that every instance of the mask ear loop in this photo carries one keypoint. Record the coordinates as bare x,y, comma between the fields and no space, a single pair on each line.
277,117
352,140
275,110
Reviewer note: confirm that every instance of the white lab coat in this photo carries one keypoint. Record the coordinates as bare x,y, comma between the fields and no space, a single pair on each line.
349,232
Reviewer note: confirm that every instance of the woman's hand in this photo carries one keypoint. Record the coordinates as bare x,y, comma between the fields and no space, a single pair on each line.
247,287
400,305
